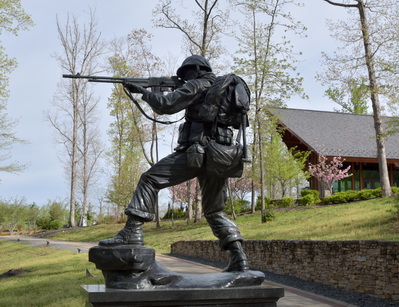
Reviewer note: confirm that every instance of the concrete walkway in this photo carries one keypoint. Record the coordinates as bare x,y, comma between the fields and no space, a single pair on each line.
293,297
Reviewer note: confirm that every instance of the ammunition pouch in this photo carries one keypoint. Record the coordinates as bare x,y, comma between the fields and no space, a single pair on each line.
223,136
195,156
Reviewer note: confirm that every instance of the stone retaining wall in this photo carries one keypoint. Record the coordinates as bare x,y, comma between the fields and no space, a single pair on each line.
368,267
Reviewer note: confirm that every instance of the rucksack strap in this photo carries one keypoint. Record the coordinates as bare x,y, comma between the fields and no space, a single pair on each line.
145,114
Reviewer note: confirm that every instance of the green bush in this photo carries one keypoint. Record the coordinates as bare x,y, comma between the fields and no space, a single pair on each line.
376,192
286,202
365,194
309,197
350,195
328,200
307,200
337,198
175,213
240,205
268,202
268,215
47,223
395,190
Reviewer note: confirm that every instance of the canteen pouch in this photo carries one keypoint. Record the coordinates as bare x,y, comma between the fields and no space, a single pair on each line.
224,161
195,156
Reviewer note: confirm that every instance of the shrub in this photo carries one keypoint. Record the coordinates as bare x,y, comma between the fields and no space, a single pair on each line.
268,215
307,200
328,200
240,205
376,192
47,223
286,202
175,213
336,198
309,197
364,194
349,195
315,193
395,190
268,202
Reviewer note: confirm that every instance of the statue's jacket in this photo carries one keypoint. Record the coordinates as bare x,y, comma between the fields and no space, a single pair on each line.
189,97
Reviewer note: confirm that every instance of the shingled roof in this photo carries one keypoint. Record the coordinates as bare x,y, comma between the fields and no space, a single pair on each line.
335,134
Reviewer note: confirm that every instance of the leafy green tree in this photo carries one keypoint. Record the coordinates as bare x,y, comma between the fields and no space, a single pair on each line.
283,166
13,20
134,139
352,97
53,215
266,59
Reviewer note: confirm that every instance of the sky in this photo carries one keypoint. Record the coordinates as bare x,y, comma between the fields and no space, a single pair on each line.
33,84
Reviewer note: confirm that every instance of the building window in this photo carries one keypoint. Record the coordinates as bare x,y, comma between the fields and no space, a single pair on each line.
371,176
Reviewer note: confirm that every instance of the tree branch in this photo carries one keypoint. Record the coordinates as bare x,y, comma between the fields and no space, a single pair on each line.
341,4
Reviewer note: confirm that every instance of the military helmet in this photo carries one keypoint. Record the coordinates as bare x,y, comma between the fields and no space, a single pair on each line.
196,61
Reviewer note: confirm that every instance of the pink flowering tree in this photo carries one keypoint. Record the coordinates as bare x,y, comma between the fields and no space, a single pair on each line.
327,172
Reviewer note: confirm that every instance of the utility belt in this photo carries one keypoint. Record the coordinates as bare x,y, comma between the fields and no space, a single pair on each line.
211,148
199,132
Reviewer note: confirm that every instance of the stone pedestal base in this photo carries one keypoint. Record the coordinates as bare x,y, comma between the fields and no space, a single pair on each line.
134,267
99,296
134,278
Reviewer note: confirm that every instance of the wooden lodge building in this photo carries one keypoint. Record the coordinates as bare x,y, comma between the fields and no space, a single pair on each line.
332,134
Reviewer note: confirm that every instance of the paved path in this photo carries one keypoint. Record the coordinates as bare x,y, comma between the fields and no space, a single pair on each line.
293,297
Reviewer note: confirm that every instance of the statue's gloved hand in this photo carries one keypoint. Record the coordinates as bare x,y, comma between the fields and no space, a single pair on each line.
134,88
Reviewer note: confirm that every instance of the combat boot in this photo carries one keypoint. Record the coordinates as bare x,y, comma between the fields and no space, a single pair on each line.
238,260
132,233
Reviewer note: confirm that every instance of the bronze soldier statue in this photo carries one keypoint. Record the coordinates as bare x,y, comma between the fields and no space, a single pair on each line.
184,164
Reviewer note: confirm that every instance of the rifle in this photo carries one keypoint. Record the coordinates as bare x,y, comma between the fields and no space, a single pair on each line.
157,84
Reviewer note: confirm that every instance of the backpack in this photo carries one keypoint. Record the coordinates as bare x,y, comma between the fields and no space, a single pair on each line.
226,101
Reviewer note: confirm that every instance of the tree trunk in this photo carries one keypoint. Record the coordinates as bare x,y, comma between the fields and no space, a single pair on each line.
262,176
198,203
253,199
189,203
74,153
379,130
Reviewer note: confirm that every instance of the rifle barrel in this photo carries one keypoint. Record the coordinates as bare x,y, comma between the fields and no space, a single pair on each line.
143,82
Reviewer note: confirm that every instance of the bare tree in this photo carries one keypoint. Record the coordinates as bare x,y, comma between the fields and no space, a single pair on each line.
201,33
374,38
81,48
90,149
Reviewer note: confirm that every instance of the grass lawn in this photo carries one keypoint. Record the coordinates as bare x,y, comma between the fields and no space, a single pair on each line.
54,279
366,220
56,275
